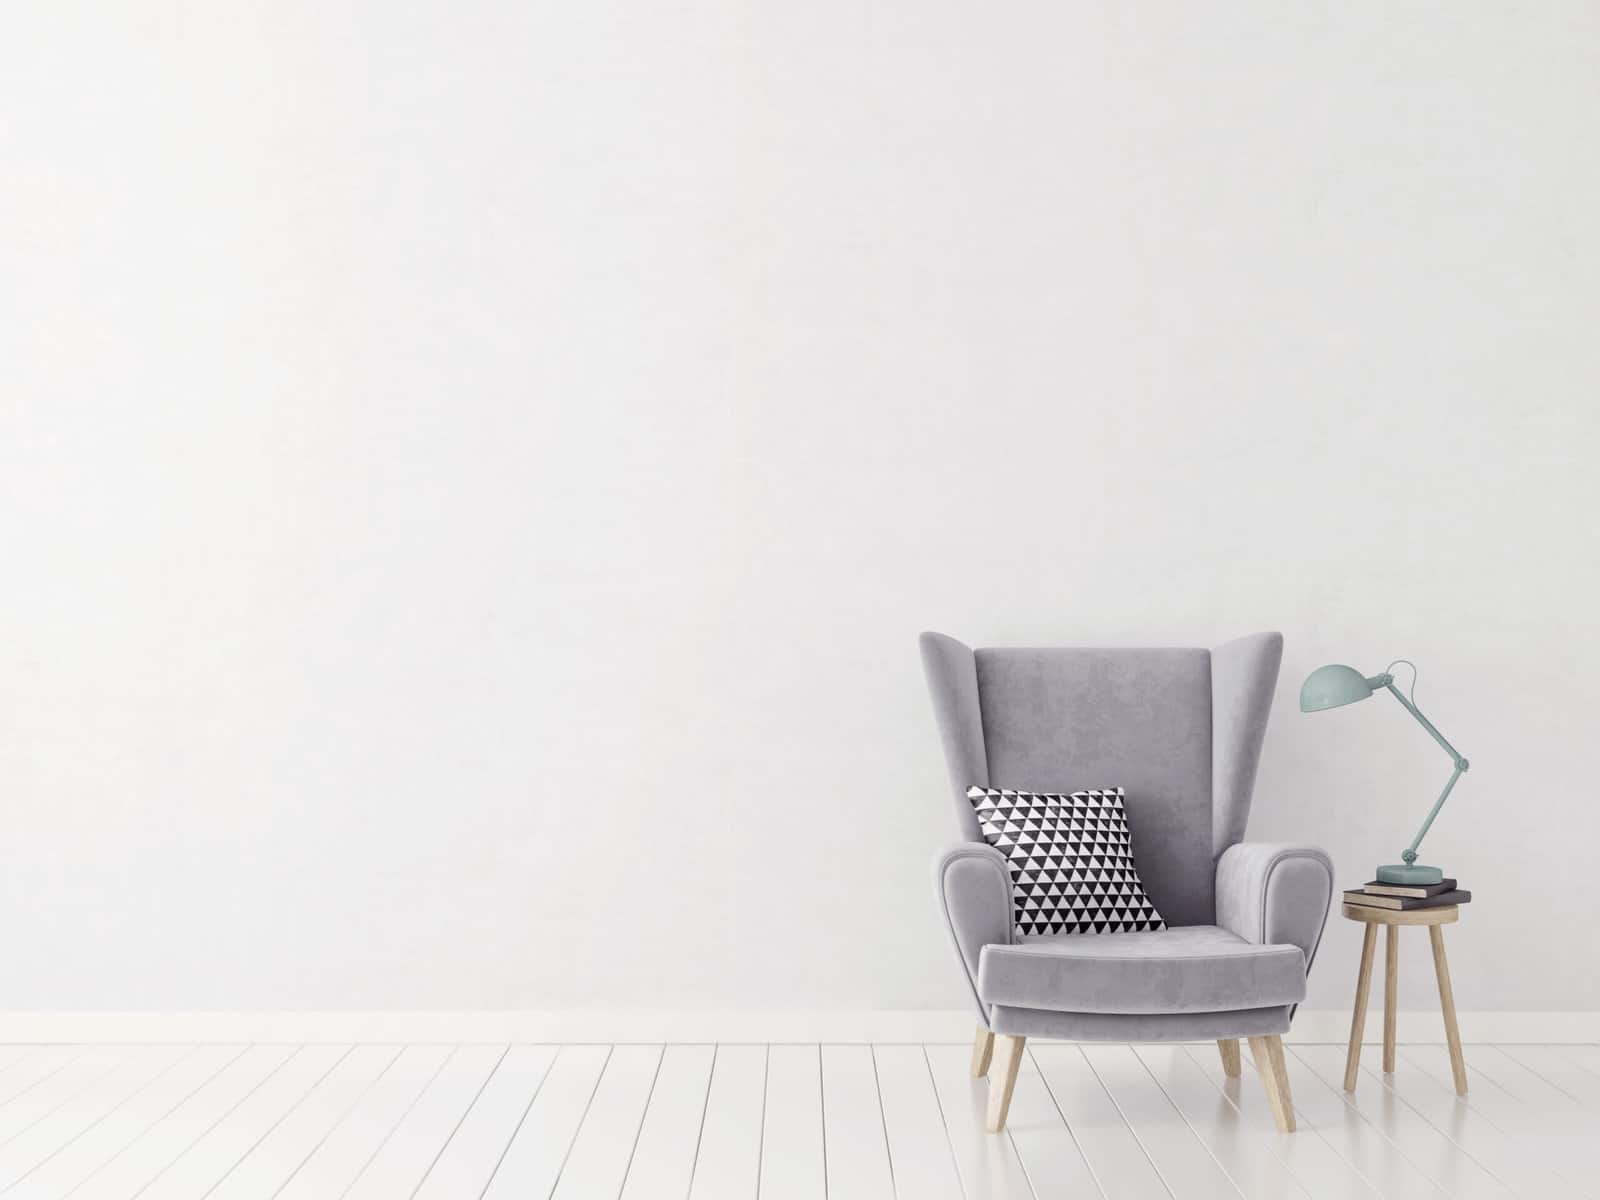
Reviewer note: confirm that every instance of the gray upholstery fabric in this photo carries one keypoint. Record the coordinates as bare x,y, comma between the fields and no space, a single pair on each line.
975,890
1154,1027
1198,968
1181,731
1060,720
1243,674
953,682
1270,893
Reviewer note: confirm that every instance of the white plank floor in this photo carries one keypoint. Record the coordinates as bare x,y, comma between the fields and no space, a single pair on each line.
686,1122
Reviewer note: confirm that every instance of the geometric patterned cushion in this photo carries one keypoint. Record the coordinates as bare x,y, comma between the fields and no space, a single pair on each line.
1071,860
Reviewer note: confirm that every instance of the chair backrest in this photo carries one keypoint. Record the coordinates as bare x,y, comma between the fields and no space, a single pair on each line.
1179,730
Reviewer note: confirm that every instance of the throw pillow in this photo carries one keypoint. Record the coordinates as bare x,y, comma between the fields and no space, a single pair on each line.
1071,860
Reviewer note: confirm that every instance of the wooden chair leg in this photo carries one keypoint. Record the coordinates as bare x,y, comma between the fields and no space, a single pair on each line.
1391,993
1447,1002
1229,1048
982,1051
1274,1072
1002,1080
1358,1018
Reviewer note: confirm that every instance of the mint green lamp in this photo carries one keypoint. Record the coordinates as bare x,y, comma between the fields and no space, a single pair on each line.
1335,685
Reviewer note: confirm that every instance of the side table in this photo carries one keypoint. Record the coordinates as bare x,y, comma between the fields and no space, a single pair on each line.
1393,918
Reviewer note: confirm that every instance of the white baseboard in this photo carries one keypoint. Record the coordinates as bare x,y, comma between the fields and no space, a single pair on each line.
622,1025
1426,1026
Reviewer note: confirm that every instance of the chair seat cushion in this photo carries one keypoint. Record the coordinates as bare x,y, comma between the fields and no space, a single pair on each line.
1192,968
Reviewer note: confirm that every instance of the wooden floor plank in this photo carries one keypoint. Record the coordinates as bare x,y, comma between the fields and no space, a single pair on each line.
81,1111
1177,1152
663,1158
728,1164
397,1167
334,1165
177,1132
274,1160
1555,1067
792,1165
473,1154
1244,1151
1051,1158
1587,1057
539,1152
1377,1159
203,1165
13,1054
1313,1162
858,1166
56,1089
102,1140
598,1161
1533,1091
33,1070
988,1163
651,1123
920,1158
1548,1125
1504,1156
1435,1155
1115,1155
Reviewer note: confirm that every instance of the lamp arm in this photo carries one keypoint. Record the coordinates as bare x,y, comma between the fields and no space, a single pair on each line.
1388,682
1409,855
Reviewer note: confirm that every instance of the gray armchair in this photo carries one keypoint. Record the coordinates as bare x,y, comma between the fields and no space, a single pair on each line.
1180,730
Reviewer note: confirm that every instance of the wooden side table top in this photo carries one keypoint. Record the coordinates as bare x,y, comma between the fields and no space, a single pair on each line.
1445,914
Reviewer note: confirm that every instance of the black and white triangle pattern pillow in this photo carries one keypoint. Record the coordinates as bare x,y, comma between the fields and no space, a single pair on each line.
1071,860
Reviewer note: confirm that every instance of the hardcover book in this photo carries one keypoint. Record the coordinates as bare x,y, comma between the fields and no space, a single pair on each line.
1407,902
1418,890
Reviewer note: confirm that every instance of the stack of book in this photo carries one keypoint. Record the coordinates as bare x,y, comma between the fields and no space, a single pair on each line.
1408,895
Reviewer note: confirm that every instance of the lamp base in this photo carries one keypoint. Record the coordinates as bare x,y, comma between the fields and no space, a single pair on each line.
1403,873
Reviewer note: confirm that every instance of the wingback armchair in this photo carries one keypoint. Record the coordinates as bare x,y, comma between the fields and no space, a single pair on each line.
1180,730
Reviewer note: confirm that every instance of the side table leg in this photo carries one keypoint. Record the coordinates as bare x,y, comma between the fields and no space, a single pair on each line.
1447,1002
1391,992
1358,1019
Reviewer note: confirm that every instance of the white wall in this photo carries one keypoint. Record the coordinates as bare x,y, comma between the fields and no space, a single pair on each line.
474,473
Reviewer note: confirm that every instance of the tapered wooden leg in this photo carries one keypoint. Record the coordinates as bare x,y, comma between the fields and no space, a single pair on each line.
1230,1056
982,1051
1002,1079
1447,1002
1358,1019
1274,1072
1391,992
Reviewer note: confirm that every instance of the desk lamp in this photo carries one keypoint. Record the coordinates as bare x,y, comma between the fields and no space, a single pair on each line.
1336,685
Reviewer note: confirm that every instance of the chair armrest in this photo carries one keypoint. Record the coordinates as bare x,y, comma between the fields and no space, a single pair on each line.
975,896
1268,893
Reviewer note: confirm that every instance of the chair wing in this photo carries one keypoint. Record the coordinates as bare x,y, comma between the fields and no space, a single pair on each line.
1244,673
952,673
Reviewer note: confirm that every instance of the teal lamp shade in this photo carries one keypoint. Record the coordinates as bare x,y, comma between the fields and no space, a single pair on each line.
1331,686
